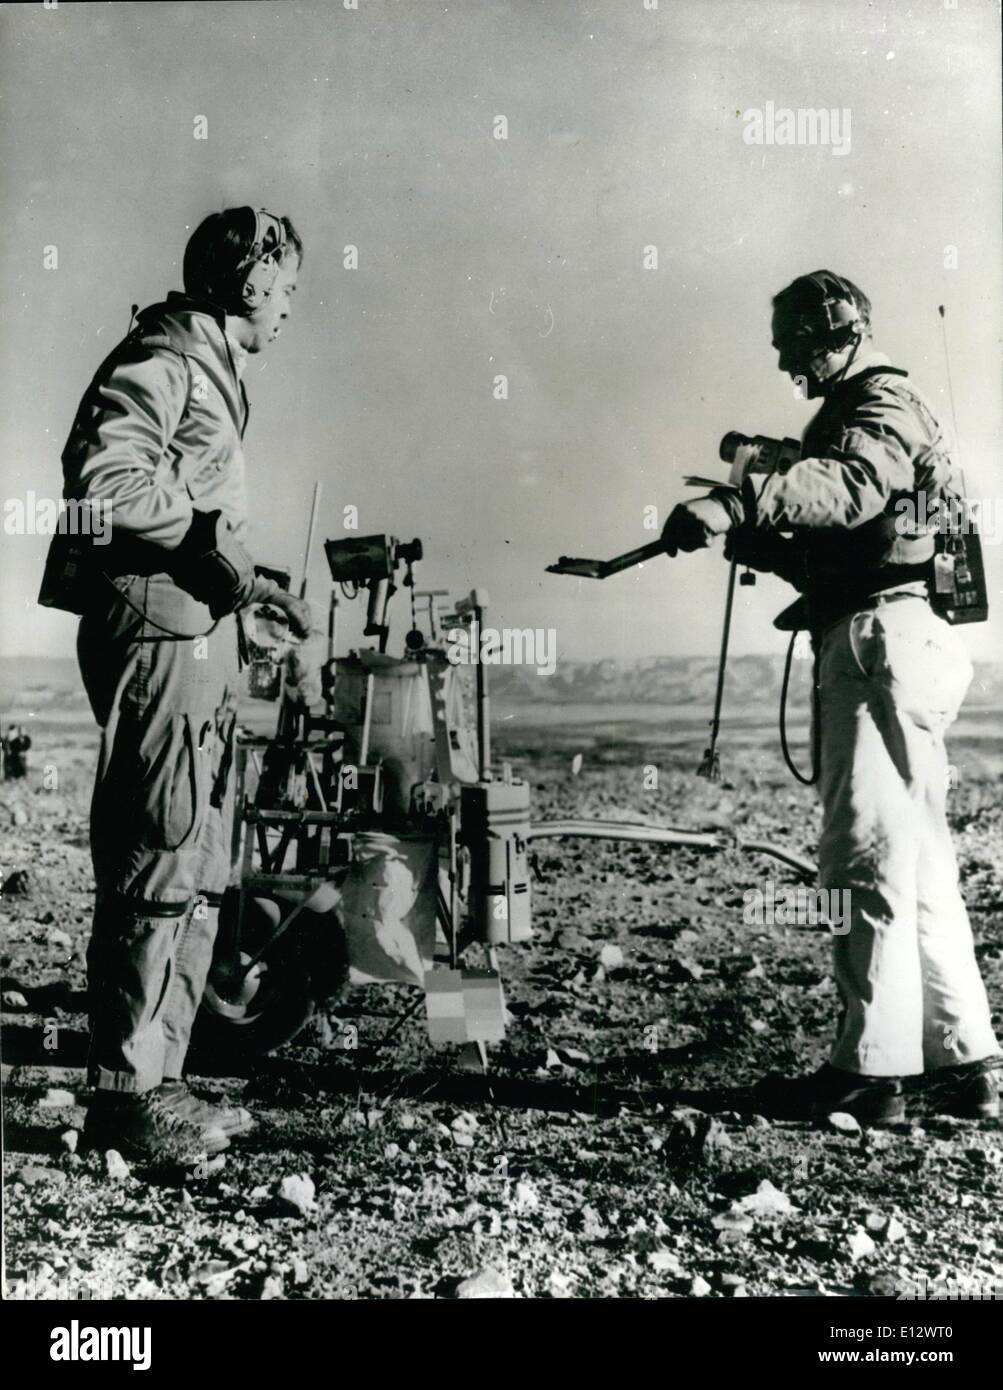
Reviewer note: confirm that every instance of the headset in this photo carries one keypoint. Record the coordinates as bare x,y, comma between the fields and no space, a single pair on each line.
255,275
837,316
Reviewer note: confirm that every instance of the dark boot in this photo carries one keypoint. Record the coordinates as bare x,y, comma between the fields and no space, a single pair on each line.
873,1100
142,1128
233,1120
969,1092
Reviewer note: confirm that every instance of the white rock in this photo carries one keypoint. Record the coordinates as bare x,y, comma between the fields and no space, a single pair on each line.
765,1201
116,1167
525,1198
14,999
699,1288
296,1190
55,1099
68,1139
665,1262
843,1123
486,1283
611,958
860,1245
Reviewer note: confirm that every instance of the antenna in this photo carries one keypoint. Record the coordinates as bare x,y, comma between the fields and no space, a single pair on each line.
950,391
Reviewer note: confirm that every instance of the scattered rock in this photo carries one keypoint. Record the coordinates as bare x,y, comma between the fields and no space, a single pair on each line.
560,1285
884,1284
894,1231
115,1167
301,1271
391,1150
734,1225
611,958
666,1262
842,1123
859,1245
887,1229
17,884
61,939
486,1283
272,1287
525,1198
68,1140
695,1138
34,1174
766,1201
699,1288
14,999
55,1099
296,1193
408,1122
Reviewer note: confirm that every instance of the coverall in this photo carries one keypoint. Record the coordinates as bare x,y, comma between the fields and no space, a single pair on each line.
891,677
158,433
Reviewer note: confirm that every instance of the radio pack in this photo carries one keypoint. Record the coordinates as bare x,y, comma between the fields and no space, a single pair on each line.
958,592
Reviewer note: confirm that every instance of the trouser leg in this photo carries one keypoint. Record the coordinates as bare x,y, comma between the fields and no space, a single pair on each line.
957,1025
892,682
159,702
195,951
130,971
868,850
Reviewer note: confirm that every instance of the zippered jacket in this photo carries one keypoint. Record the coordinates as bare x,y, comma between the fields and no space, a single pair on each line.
157,435
858,505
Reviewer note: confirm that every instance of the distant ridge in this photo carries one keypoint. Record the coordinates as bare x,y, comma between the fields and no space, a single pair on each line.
658,680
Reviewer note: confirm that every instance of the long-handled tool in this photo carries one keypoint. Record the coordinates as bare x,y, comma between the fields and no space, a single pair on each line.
602,569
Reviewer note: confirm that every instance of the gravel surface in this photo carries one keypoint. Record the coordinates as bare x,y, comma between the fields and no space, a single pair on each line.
613,1150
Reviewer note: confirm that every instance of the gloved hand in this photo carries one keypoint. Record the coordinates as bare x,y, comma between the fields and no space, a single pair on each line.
754,547
212,565
760,548
693,525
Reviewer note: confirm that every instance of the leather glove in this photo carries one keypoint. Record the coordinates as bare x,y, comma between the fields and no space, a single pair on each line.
693,525
761,549
212,565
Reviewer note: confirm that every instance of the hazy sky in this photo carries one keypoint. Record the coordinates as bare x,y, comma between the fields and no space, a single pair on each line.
478,256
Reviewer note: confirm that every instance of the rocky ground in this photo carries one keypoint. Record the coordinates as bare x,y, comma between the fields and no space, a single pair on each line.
613,1151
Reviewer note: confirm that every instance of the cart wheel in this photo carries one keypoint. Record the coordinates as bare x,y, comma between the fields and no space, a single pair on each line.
267,1010
268,1006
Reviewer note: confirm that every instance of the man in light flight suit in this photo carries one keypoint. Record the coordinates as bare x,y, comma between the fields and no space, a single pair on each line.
158,439
891,678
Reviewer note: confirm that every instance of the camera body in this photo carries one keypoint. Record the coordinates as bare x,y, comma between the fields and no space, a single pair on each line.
757,453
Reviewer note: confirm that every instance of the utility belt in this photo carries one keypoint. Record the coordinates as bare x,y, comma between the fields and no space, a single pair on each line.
820,609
